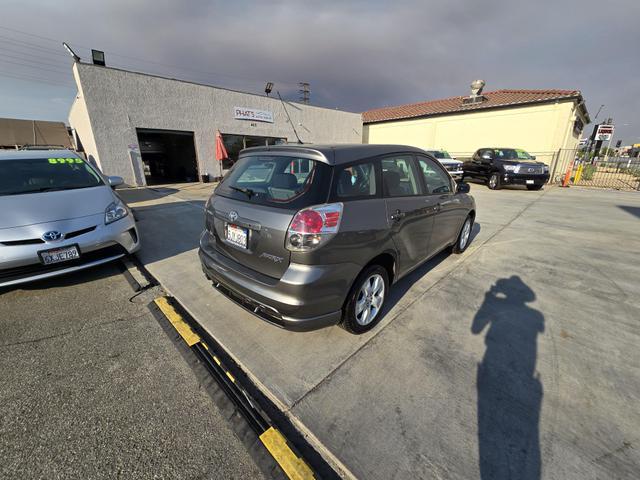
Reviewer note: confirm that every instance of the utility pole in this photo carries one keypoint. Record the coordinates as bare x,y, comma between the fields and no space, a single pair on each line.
304,92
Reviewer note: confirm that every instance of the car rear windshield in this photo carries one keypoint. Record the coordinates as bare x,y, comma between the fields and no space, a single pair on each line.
34,175
279,181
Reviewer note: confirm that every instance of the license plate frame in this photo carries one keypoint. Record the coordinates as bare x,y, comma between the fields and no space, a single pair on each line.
530,182
237,236
45,255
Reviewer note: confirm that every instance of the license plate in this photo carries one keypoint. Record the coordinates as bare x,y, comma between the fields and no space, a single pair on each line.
237,235
529,182
58,255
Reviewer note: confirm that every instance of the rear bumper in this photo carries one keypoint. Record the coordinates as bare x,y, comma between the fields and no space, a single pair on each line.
307,297
519,179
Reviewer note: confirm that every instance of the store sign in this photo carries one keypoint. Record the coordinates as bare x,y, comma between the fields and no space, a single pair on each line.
244,113
604,133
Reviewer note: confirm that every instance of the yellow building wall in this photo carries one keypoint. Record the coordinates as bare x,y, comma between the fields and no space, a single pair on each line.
539,129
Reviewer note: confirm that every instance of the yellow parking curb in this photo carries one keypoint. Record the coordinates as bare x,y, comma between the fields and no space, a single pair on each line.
176,320
294,467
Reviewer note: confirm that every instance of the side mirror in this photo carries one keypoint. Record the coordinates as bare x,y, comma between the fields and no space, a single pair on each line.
115,181
462,187
533,157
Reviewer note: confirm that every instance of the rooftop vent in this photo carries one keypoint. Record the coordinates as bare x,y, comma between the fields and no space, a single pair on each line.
476,93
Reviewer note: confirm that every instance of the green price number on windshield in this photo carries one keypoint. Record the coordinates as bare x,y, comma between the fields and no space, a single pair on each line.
56,161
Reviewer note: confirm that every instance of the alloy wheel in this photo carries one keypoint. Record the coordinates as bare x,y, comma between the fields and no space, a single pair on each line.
370,299
466,233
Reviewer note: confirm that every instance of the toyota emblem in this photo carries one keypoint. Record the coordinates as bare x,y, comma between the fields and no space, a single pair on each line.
233,215
52,236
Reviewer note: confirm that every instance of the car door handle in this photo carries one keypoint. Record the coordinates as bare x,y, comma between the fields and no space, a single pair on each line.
398,215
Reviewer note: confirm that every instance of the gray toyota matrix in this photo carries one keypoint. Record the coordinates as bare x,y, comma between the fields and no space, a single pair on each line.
307,236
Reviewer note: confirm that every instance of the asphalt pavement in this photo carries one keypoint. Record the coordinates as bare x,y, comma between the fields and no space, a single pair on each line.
92,387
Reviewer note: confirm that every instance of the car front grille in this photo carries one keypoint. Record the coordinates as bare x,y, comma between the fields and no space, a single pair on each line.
531,169
453,168
27,271
36,241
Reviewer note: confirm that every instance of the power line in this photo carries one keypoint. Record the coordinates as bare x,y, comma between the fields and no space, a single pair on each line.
35,67
34,61
115,54
35,79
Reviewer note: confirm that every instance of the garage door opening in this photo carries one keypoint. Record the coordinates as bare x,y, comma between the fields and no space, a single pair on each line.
168,156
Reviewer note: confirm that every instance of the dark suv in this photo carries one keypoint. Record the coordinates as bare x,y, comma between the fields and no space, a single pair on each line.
506,166
311,236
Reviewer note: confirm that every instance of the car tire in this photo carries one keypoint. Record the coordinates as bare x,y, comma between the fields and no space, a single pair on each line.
534,187
494,182
355,320
464,237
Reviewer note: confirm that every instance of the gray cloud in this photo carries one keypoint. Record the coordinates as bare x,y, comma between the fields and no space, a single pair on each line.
359,55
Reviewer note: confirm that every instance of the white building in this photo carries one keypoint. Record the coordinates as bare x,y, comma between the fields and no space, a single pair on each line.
149,129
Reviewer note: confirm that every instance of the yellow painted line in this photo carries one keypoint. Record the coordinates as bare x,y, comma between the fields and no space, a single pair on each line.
217,360
295,468
176,320
231,377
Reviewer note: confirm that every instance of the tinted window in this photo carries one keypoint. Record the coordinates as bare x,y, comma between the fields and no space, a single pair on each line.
512,154
398,176
436,180
31,175
356,181
277,180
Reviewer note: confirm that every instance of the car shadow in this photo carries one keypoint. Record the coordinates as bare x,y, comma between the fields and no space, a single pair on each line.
399,289
509,389
632,210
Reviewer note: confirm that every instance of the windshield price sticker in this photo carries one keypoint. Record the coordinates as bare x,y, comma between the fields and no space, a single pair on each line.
65,160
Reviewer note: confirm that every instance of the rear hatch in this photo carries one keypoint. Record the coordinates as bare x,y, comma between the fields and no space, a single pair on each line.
252,208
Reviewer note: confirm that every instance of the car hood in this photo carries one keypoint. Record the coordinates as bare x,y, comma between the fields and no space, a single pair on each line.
33,208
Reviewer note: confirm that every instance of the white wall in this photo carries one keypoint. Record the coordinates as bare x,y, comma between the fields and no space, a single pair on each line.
117,102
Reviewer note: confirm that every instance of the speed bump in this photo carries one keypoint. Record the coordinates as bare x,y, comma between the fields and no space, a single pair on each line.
176,320
294,467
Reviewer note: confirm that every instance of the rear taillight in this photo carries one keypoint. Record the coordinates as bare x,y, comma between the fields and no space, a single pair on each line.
313,226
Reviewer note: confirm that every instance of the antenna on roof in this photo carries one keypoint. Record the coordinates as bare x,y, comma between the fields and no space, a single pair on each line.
288,117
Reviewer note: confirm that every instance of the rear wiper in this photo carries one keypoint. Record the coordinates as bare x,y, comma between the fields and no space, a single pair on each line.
247,191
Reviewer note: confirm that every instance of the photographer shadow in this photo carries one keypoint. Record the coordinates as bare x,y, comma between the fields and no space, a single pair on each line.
509,389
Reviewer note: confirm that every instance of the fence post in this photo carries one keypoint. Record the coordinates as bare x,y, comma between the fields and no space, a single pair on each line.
556,159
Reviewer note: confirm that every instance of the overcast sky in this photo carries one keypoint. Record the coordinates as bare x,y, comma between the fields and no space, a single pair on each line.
357,55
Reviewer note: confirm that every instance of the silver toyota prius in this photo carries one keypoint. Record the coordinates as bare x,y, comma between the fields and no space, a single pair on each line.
58,214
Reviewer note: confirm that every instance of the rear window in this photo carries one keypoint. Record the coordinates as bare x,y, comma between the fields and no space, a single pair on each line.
279,181
33,175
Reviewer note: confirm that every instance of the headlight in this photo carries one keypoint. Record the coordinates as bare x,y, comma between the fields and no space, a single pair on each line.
546,169
115,211
510,168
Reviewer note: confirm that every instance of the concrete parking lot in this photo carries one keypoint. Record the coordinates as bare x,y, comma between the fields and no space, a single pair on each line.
92,387
517,359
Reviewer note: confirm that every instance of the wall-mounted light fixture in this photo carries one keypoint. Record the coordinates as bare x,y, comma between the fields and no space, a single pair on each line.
268,87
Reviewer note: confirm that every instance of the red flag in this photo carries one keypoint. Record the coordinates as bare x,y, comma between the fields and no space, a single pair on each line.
221,152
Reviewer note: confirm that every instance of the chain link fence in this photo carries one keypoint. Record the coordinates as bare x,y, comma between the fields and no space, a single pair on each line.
620,173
